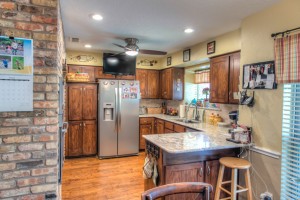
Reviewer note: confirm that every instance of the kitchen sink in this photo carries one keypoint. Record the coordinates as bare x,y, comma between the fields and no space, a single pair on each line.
187,120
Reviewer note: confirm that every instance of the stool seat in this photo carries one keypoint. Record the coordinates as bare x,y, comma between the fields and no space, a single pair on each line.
235,163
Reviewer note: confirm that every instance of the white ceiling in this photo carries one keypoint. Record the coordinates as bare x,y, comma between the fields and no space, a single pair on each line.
158,24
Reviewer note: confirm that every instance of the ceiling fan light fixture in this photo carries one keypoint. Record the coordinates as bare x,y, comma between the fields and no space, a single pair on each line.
188,30
131,49
88,46
131,53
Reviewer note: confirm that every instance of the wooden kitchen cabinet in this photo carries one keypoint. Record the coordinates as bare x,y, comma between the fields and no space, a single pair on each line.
149,83
159,126
146,127
191,172
172,83
224,78
83,69
178,128
100,75
82,117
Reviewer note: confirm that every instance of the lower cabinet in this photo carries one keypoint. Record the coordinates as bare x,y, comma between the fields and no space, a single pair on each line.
146,128
206,171
159,126
82,138
192,172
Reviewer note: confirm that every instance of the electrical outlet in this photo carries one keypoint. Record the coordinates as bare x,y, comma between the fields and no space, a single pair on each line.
266,196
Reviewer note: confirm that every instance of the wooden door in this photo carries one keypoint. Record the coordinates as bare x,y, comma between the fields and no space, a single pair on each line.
145,129
75,101
141,75
89,146
219,73
75,139
89,102
191,172
168,84
153,84
234,77
162,82
211,174
90,70
160,126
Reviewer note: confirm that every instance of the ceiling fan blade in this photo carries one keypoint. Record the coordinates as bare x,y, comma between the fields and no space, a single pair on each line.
122,46
153,52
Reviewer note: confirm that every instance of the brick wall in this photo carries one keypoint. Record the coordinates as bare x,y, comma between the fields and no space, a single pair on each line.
29,140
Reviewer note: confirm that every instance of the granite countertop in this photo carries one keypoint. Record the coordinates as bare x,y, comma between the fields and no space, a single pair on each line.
209,137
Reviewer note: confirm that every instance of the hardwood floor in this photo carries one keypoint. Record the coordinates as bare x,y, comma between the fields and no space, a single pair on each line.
108,179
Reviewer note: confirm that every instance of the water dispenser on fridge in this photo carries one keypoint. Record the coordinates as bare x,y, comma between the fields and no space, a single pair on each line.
108,111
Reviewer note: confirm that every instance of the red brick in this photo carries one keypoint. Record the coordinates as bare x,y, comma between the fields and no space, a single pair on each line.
31,147
16,121
7,149
39,62
46,70
30,9
43,188
29,26
7,166
44,138
8,114
43,171
50,3
51,113
15,15
45,104
39,79
42,121
38,96
14,192
51,145
52,96
16,174
52,79
7,184
32,130
16,139
8,131
44,19
16,156
45,53
39,44
45,87
34,113
45,36
30,181
7,5
17,33
32,197
52,129
51,29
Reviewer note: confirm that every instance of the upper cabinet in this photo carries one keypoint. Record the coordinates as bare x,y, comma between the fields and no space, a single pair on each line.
224,78
149,83
172,83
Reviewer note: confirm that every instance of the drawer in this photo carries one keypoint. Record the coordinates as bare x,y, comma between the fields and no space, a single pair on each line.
179,128
169,125
160,121
146,120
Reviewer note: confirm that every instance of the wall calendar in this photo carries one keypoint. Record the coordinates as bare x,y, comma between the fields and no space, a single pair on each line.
16,74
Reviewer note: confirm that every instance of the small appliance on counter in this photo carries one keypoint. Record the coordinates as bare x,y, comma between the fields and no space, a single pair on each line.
234,115
240,134
143,110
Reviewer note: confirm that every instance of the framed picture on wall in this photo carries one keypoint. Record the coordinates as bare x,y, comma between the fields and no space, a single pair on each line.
186,55
169,60
211,47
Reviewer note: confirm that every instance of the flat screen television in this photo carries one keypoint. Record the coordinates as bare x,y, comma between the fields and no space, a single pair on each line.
119,64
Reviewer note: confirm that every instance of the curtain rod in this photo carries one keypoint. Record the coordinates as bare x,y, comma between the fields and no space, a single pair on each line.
284,32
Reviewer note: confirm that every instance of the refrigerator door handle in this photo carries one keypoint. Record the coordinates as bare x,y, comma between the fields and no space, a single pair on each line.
119,109
116,110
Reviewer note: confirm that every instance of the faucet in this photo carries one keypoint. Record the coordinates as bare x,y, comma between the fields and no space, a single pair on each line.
196,115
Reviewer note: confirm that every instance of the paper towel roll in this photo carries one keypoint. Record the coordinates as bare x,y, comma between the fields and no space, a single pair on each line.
182,111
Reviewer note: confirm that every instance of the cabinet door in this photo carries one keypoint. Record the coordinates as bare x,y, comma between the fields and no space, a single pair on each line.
192,172
177,84
75,139
219,73
74,69
179,128
234,77
166,130
211,174
168,84
99,74
89,102
141,75
89,146
145,129
75,101
153,84
160,126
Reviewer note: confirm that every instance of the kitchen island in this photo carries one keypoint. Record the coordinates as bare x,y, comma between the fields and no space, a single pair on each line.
190,156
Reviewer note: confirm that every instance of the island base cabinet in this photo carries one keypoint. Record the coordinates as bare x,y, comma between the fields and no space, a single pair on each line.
192,172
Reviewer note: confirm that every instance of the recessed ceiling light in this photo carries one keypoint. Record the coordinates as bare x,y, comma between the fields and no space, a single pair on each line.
97,17
188,30
87,46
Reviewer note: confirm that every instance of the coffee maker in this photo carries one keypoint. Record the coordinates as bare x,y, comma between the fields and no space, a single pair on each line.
239,133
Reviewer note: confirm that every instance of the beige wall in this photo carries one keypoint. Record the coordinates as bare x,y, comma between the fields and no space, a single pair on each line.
265,116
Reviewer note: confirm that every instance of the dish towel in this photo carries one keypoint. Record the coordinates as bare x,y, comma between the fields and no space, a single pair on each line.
148,167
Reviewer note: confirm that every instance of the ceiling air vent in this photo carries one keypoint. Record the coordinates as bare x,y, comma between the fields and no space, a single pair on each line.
74,39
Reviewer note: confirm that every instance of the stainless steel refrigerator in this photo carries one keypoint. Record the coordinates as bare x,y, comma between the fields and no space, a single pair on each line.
118,121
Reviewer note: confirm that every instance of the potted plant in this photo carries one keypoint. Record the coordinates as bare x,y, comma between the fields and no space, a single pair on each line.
206,92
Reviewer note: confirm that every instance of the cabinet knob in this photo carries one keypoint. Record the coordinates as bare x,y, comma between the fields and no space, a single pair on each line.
201,172
84,124
208,170
80,124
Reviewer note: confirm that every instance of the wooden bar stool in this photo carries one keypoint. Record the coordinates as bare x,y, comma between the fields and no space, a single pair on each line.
234,164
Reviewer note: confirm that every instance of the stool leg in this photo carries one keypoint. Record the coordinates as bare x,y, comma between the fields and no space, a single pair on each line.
233,184
219,182
248,184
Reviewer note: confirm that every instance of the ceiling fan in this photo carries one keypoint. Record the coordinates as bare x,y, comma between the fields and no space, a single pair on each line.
132,49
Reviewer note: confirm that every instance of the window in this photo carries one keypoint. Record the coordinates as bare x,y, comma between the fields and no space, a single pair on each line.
199,92
290,163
